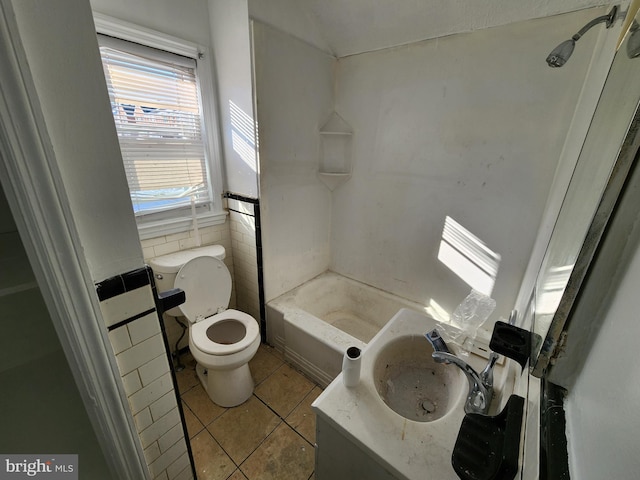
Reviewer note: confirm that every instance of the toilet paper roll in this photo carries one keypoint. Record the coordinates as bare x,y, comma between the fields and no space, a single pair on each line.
351,367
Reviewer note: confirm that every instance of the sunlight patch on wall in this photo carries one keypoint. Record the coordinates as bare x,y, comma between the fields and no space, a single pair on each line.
468,257
243,135
437,312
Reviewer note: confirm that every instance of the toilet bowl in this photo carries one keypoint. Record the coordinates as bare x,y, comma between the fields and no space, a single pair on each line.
221,340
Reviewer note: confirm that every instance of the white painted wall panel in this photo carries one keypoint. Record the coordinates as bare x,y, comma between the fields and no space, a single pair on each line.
294,94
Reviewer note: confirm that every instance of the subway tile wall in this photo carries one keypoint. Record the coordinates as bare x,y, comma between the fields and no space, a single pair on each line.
243,241
213,235
135,333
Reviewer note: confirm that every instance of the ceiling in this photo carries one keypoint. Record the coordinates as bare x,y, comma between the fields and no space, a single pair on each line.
347,27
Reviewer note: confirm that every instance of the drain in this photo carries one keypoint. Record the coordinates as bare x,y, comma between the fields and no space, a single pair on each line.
428,406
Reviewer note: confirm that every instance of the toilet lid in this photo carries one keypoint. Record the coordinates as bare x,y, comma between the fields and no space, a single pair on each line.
206,282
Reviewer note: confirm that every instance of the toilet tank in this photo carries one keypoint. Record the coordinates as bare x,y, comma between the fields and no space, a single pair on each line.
165,267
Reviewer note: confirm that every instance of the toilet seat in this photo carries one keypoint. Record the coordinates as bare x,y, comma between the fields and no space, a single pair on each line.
202,342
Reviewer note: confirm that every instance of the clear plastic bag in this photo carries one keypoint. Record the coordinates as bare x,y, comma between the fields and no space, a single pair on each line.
474,310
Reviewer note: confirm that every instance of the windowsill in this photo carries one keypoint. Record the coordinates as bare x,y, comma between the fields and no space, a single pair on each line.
177,225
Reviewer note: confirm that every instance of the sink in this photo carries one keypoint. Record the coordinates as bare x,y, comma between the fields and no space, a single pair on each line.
412,384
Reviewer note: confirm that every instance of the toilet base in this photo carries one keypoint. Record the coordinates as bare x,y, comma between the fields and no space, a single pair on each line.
227,388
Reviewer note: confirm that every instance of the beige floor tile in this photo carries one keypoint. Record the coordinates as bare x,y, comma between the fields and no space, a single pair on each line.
284,455
273,351
237,475
200,404
194,426
263,364
210,460
241,429
284,390
303,418
187,378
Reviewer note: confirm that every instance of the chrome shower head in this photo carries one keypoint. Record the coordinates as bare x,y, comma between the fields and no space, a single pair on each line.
559,55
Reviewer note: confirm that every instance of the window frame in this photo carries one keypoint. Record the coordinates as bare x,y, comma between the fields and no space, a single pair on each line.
179,220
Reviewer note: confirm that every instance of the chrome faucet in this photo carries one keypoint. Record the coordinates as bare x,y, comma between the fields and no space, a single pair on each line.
480,384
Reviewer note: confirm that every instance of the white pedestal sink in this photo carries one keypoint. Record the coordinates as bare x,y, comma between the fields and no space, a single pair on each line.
402,419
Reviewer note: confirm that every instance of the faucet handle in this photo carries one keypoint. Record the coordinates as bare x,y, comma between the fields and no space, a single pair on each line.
486,376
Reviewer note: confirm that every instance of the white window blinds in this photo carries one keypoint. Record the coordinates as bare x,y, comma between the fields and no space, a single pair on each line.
155,104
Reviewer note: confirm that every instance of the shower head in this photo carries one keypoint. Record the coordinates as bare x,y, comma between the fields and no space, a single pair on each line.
559,55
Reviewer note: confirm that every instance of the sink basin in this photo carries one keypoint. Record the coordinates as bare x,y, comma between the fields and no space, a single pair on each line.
412,384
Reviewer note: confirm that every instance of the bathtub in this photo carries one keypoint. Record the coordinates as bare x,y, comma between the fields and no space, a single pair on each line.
316,322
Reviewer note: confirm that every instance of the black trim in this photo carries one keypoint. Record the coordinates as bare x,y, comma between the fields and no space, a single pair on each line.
130,319
123,283
554,457
261,300
242,198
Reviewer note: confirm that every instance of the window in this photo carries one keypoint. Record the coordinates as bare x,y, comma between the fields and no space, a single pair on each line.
156,104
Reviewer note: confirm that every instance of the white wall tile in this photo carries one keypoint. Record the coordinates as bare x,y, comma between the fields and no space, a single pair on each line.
168,457
152,452
119,339
143,328
186,474
161,476
165,248
143,419
158,428
149,394
178,466
131,382
152,242
140,354
153,370
163,405
127,305
167,440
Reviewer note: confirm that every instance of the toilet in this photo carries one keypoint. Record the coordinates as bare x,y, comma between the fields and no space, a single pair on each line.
221,340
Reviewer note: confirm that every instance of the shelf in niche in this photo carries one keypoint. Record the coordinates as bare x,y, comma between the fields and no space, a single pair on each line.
333,180
335,151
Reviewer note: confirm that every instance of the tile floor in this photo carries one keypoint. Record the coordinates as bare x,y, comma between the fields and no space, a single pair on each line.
270,436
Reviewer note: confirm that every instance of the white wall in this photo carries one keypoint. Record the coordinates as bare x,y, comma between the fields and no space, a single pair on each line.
294,94
72,91
290,16
229,24
186,19
469,126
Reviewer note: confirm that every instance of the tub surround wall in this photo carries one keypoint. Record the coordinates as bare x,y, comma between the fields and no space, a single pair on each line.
294,92
441,131
430,140
129,311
